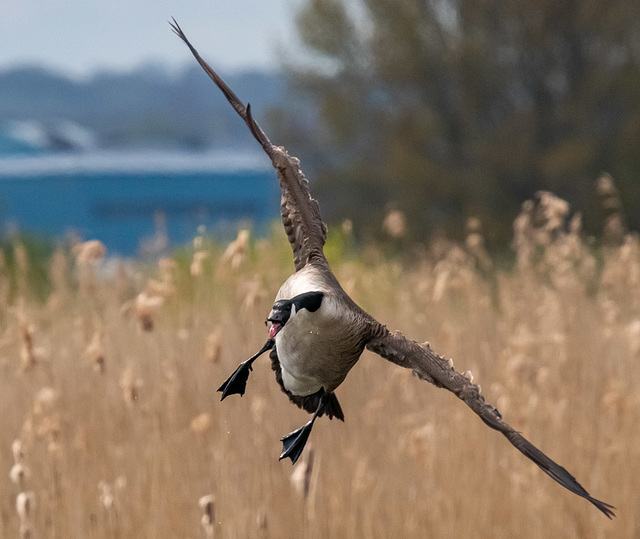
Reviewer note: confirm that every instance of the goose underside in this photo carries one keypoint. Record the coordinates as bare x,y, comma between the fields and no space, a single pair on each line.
308,403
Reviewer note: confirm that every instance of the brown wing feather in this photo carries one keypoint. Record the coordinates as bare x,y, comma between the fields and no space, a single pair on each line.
435,369
300,212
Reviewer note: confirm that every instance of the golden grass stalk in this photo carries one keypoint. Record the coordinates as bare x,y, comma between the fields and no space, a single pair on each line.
25,506
144,308
556,342
395,224
301,475
130,384
213,347
208,519
95,351
89,255
236,252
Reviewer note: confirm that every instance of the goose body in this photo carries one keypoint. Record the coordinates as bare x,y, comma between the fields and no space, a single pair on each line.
317,331
317,349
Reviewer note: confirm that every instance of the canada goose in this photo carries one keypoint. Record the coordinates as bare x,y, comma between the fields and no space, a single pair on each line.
317,331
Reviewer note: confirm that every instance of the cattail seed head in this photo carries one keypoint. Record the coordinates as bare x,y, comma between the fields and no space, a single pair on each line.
95,351
18,451
197,265
29,354
200,423
89,252
347,227
208,519
25,505
131,386
109,493
144,307
19,474
301,476
237,251
214,346
395,224
107,497
45,401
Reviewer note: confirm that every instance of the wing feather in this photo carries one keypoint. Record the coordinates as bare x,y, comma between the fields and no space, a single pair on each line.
301,216
435,369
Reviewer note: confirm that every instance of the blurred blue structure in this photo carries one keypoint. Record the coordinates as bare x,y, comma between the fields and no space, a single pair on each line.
34,137
127,200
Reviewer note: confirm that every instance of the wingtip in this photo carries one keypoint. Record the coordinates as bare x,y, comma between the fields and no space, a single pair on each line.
604,507
175,27
177,30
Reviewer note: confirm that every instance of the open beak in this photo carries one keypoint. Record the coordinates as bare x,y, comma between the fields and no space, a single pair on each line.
273,330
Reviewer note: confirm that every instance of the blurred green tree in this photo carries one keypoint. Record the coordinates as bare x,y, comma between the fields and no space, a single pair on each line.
449,109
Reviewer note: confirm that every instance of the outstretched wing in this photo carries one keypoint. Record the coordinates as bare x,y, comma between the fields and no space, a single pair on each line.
435,369
300,212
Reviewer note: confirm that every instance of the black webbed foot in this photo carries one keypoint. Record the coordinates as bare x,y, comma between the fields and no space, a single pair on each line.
294,442
237,382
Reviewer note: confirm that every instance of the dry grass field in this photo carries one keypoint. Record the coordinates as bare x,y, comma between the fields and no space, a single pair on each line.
111,426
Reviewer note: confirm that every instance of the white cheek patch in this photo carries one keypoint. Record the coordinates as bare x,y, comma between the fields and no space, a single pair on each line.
293,310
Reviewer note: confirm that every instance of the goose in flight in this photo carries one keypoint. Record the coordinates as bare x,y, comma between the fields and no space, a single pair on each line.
317,331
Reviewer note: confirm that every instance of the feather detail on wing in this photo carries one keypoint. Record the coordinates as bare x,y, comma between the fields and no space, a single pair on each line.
300,212
435,369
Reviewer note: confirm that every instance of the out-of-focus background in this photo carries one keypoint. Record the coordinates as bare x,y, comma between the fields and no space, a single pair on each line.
109,129
444,111
477,162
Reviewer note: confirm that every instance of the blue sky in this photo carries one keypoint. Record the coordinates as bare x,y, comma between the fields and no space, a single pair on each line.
79,37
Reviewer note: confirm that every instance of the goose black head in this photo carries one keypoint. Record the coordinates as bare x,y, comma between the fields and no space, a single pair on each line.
284,309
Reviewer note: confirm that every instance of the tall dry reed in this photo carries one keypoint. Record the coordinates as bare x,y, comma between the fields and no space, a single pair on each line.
117,413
